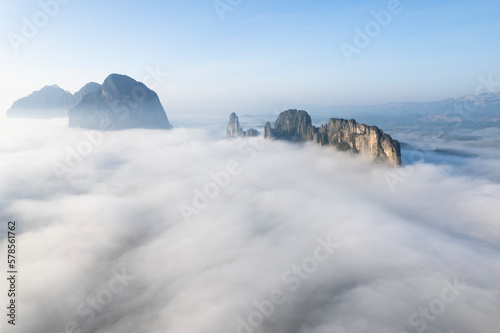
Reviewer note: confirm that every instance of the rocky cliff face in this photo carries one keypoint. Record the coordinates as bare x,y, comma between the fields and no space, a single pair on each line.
234,129
344,135
120,103
293,125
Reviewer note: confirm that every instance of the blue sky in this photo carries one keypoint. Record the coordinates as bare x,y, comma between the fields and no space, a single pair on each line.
263,55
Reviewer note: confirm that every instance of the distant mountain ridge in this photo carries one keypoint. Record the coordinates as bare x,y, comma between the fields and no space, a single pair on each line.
49,102
483,101
466,112
475,111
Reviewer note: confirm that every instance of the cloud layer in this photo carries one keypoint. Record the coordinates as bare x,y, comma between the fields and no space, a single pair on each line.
300,239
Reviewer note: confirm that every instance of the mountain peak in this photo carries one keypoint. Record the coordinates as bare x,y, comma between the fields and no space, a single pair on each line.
234,129
49,102
120,103
343,134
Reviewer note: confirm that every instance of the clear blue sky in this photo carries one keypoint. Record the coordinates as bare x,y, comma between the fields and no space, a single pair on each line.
263,55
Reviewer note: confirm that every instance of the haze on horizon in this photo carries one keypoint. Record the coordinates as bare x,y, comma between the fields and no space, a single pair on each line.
254,55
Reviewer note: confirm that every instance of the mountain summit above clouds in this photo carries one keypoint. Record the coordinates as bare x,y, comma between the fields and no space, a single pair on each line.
234,129
86,89
120,103
344,135
49,102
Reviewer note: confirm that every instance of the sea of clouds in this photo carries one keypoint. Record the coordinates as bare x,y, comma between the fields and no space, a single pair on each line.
184,231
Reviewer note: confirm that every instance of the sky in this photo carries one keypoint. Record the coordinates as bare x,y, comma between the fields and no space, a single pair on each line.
252,55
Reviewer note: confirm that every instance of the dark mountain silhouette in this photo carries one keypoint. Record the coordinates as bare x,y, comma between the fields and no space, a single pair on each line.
121,102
